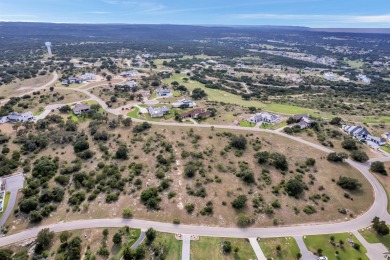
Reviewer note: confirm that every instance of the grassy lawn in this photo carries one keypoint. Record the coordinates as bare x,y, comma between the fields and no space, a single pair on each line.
128,240
377,120
354,63
210,248
7,195
134,113
372,237
91,102
246,124
288,245
386,148
313,243
40,111
226,97
174,246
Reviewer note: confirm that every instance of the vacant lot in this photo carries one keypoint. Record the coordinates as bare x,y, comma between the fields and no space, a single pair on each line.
20,87
211,248
344,250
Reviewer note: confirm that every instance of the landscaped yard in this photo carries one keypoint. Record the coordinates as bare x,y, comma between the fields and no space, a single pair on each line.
377,120
7,195
372,237
173,245
288,248
128,240
210,248
386,148
246,124
134,113
347,251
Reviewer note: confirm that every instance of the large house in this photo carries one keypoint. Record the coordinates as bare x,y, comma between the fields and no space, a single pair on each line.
196,113
24,117
80,109
158,111
72,81
163,92
183,103
88,76
3,119
362,134
303,120
130,73
264,117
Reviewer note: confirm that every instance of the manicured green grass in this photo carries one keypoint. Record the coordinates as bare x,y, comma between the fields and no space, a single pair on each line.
128,240
91,102
174,246
386,148
246,124
313,243
134,113
288,248
372,237
377,120
40,111
210,248
354,63
7,196
290,110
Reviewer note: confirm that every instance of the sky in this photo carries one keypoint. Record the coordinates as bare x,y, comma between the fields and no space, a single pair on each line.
311,13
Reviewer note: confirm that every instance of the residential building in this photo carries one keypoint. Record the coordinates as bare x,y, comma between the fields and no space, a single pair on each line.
303,120
24,117
231,73
387,136
358,132
88,76
265,117
3,119
196,113
80,109
377,140
158,111
163,92
364,79
131,84
130,73
184,103
72,81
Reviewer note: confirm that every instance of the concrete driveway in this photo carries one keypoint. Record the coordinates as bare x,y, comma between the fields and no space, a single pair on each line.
14,184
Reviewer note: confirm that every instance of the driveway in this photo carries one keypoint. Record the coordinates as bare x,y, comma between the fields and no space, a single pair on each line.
186,248
256,247
13,185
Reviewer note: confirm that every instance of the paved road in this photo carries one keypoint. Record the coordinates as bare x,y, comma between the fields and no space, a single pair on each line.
306,254
186,248
256,248
14,184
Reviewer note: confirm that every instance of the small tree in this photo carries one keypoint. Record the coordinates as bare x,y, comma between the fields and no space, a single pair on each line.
378,167
127,213
117,238
151,234
359,156
105,233
44,238
238,142
239,202
294,187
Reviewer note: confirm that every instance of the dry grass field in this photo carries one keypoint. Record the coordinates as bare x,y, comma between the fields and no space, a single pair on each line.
19,87
218,179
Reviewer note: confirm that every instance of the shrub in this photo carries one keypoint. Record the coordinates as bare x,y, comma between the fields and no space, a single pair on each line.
309,209
238,142
150,234
380,226
336,157
150,198
244,220
359,156
122,153
294,187
349,183
349,144
239,202
378,167
190,207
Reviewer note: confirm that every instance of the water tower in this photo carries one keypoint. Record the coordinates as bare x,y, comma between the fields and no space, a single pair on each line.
48,46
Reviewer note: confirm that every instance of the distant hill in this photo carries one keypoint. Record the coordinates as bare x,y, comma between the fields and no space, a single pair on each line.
352,30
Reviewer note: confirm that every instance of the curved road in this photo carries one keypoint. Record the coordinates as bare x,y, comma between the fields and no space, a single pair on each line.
378,208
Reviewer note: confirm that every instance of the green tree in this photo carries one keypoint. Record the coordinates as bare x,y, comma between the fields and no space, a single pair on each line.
238,142
348,183
150,234
117,238
239,202
127,213
378,167
122,152
294,187
43,240
359,156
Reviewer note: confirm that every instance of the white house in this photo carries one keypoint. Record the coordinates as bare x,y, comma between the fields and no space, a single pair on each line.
72,81
184,103
131,84
130,73
364,79
88,76
358,132
24,117
387,136
163,92
231,73
158,111
264,117
3,119
377,140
